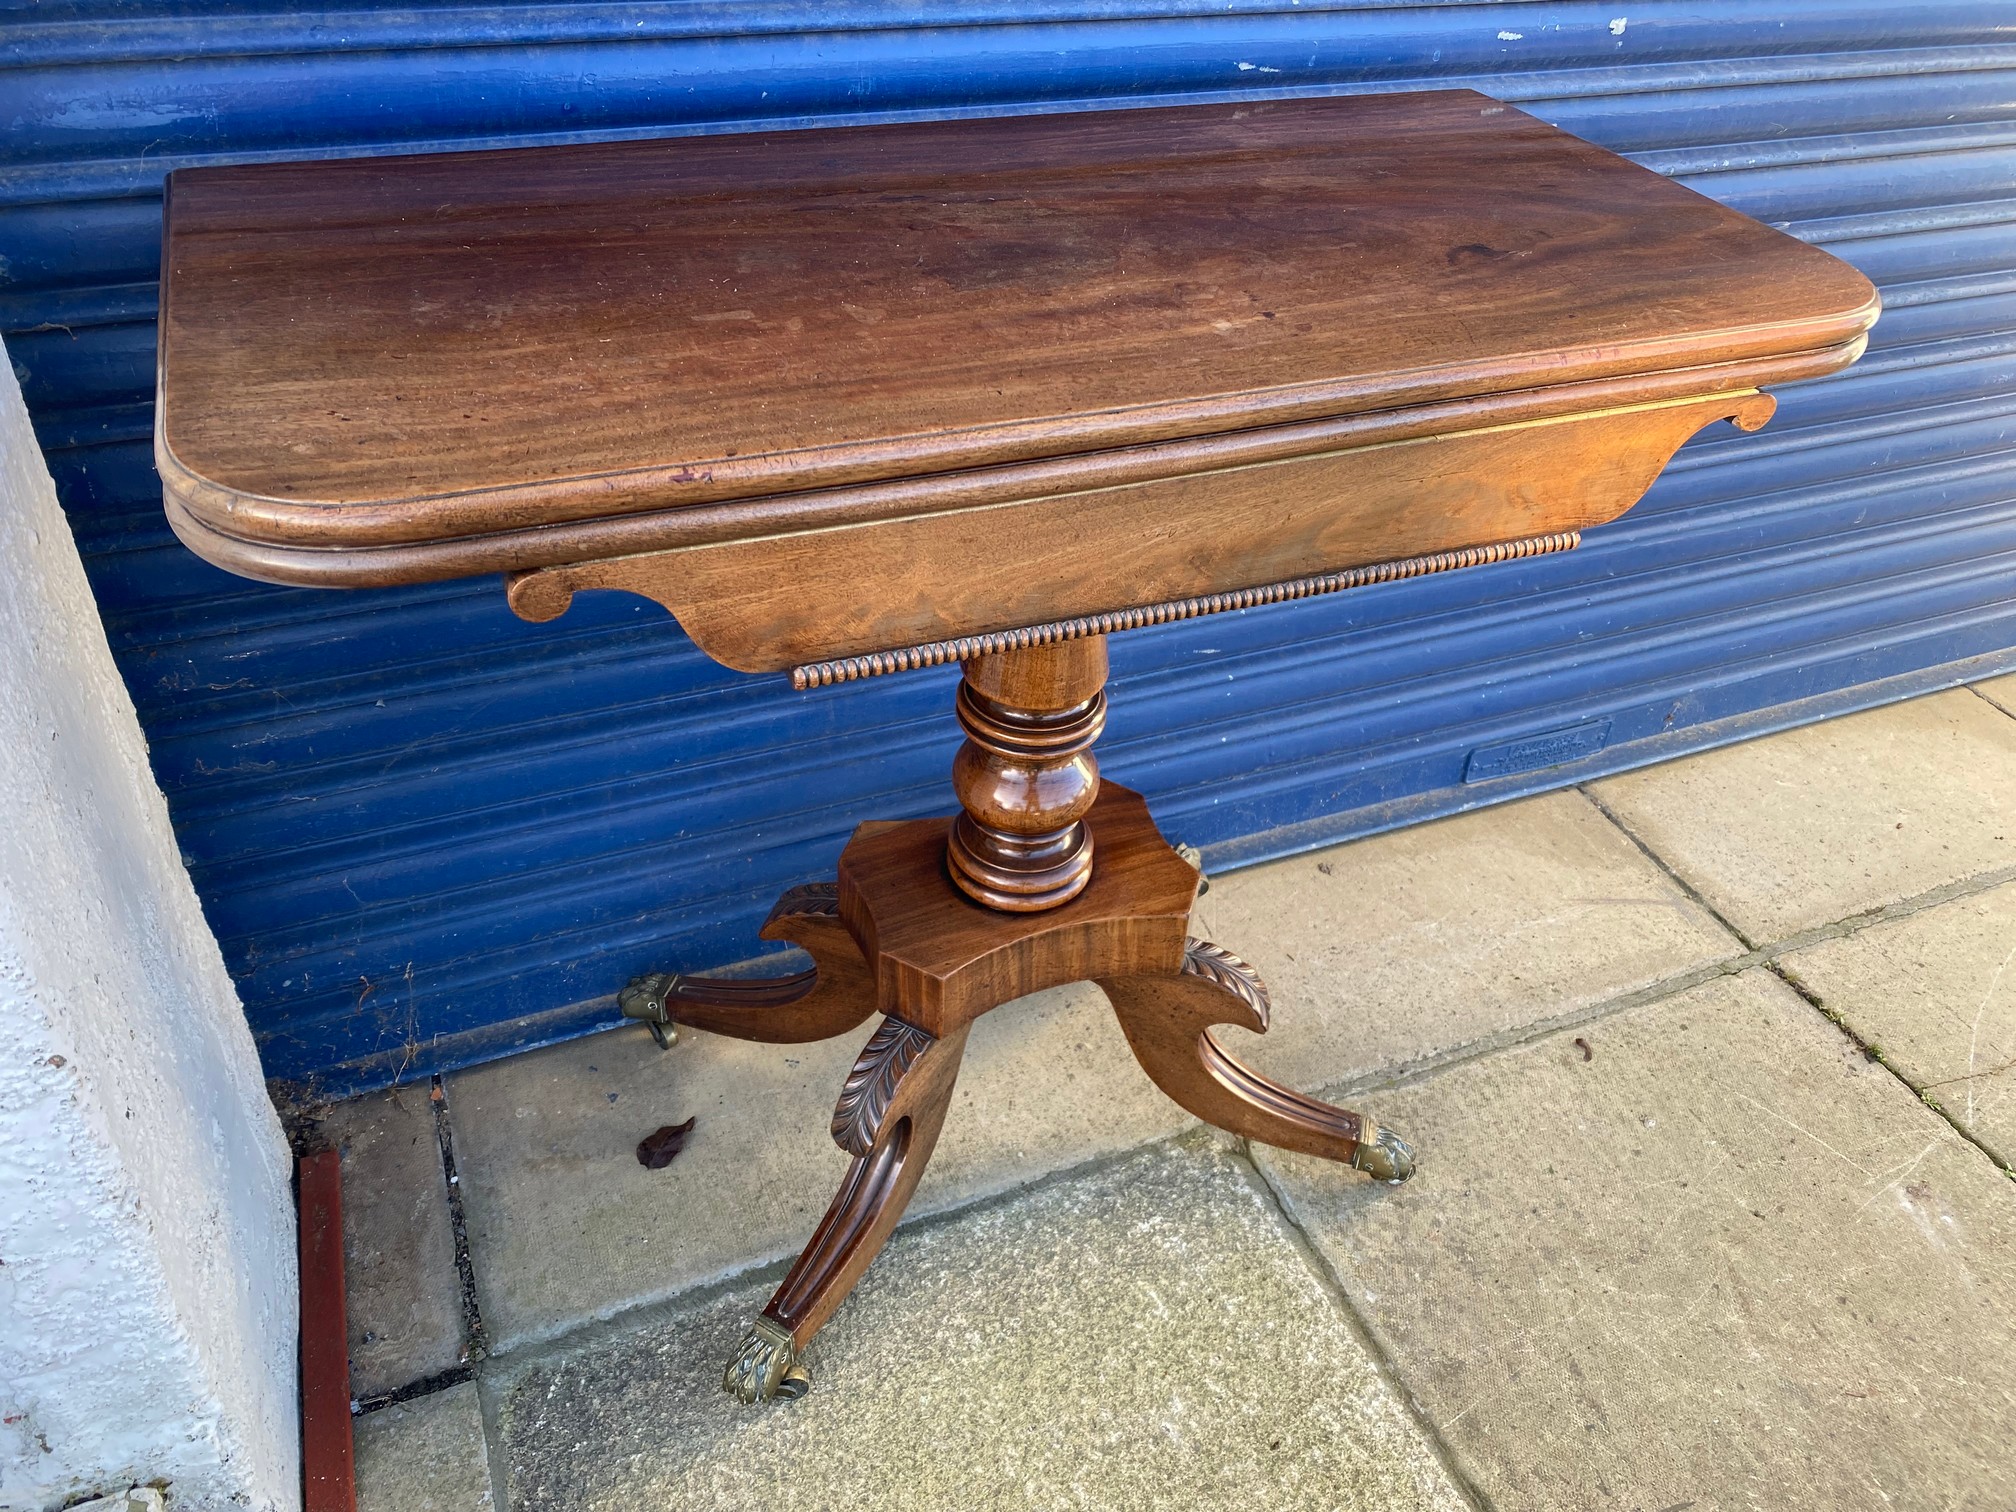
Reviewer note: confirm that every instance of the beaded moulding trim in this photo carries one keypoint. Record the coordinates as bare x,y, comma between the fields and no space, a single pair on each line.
937,653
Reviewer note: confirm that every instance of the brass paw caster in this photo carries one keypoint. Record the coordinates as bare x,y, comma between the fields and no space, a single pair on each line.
1384,1156
766,1367
646,998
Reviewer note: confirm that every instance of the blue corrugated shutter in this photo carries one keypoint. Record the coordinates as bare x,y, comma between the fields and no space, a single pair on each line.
426,832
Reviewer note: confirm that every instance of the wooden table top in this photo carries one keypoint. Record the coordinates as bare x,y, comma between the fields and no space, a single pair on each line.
429,349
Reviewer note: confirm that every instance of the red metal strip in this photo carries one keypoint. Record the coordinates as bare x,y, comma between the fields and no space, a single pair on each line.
328,1465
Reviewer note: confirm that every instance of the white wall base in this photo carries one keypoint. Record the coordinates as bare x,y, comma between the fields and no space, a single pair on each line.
147,1269
139,1499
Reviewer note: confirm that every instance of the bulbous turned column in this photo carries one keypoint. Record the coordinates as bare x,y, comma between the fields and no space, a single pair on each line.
1025,776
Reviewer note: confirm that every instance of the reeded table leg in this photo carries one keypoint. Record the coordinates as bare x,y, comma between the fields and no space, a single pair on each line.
1168,1023
888,1118
831,998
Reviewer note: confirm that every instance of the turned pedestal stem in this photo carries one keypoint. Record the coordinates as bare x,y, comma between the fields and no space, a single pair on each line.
1026,775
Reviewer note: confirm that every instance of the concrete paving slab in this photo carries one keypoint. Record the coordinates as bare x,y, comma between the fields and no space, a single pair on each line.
424,1455
1148,1335
1816,824
2000,691
405,1297
1723,1261
564,1224
1403,946
1936,993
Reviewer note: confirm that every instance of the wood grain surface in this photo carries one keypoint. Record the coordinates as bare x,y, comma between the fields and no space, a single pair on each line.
424,350
1025,775
772,602
941,960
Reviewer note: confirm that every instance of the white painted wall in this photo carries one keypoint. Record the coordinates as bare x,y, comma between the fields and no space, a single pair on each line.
147,1270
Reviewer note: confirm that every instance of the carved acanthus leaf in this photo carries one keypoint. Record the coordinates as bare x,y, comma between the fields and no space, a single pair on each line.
809,900
871,1085
1221,968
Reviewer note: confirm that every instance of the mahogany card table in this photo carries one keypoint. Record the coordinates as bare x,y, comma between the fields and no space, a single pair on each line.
849,401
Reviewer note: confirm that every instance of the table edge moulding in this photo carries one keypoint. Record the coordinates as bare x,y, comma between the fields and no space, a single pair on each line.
855,400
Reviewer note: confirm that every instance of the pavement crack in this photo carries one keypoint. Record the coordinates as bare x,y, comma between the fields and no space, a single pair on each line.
1873,1052
426,1386
474,1332
1771,958
1902,908
1692,893
1326,1275
1975,689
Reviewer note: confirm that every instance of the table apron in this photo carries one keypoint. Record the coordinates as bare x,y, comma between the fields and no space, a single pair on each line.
777,602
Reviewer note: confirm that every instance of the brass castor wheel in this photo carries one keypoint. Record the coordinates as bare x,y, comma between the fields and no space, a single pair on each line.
766,1366
649,998
1384,1156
